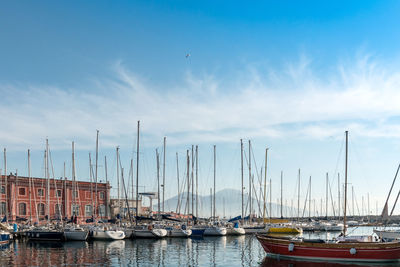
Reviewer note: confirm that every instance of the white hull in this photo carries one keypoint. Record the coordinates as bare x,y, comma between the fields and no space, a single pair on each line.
129,233
154,233
75,235
179,233
235,231
108,235
215,231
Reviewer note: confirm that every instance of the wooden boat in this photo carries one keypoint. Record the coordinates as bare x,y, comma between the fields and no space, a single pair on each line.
281,229
321,250
345,249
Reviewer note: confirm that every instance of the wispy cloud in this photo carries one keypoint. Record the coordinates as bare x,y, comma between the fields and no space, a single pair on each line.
362,96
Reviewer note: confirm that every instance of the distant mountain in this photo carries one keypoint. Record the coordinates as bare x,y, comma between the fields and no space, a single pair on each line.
228,203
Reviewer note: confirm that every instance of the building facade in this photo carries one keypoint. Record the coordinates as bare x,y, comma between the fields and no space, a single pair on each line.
36,199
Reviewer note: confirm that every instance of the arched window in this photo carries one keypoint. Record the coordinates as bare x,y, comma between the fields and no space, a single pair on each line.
40,209
88,211
22,208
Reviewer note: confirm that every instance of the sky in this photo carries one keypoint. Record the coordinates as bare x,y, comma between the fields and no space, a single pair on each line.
292,76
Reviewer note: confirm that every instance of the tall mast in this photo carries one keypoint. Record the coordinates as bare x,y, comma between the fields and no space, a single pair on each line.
192,180
105,170
178,207
137,172
309,199
250,201
5,182
327,182
97,159
197,181
345,187
163,185
281,194
188,183
241,161
30,186
338,179
73,179
158,182
48,181
118,188
270,199
265,184
215,166
298,200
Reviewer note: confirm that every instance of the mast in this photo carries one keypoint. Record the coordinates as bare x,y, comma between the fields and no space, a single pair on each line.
265,184
97,159
158,182
188,182
345,186
178,207
241,170
163,185
5,182
30,186
118,188
137,172
105,170
214,179
338,179
48,181
270,199
250,201
281,194
192,181
309,199
326,210
197,181
298,200
73,179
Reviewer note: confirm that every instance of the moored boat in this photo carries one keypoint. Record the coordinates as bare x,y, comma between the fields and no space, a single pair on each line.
75,233
103,233
215,231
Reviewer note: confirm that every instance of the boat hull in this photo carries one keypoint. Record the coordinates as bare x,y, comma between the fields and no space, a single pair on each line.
76,235
235,231
284,230
108,235
179,233
255,230
215,231
45,236
338,252
154,233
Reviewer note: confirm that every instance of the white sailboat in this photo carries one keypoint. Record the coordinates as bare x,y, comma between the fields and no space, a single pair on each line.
215,229
103,233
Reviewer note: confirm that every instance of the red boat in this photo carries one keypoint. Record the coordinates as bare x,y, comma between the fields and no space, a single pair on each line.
319,250
346,249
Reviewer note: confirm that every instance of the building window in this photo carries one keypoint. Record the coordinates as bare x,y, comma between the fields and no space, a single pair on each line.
22,208
88,195
101,195
3,189
88,211
40,192
75,209
40,209
3,208
21,191
58,210
59,193
102,210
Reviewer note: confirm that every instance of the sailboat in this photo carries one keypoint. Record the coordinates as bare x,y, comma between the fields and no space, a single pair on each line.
214,229
74,232
47,232
345,248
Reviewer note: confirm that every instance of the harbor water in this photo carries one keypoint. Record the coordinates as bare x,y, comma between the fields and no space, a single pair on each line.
207,251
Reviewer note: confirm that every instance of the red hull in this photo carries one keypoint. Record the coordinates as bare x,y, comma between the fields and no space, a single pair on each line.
361,252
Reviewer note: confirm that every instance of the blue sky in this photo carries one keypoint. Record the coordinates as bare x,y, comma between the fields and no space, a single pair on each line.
289,75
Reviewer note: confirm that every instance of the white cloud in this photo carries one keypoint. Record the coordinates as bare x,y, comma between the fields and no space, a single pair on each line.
202,109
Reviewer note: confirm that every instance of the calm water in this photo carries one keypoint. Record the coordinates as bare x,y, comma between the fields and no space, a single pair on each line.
210,251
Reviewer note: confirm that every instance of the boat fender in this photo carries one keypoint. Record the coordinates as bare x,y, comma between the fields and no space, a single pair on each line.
291,247
353,251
